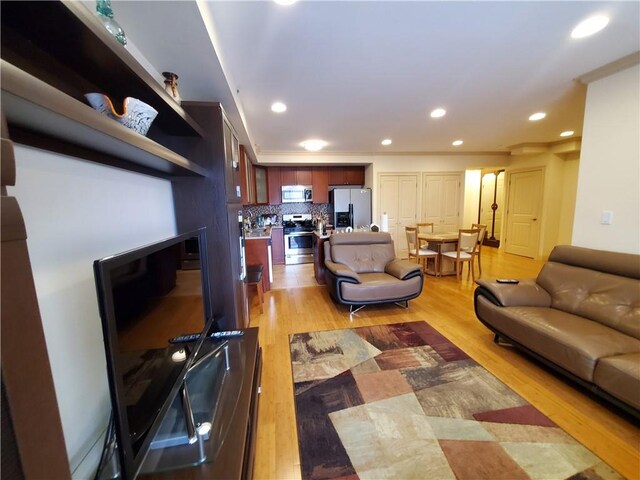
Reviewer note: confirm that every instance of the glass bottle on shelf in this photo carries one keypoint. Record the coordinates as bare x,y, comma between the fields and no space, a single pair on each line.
105,14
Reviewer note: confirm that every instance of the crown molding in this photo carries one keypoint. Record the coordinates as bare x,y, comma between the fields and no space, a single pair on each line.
560,147
610,68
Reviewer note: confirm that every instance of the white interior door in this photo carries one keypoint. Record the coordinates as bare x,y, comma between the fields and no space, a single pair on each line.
450,206
523,211
441,201
431,195
398,197
407,211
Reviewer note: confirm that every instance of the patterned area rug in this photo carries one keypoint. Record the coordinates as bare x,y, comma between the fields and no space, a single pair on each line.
401,401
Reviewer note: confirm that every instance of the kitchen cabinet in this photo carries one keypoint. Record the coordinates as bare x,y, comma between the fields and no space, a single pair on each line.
320,184
296,175
260,185
351,175
277,245
232,163
318,257
274,185
257,253
247,174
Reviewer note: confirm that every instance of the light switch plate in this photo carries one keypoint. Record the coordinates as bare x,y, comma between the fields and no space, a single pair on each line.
606,218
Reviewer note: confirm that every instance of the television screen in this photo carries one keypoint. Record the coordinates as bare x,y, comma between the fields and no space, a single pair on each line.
146,298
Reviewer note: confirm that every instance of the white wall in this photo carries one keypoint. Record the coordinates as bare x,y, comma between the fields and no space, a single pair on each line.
472,186
76,212
609,173
568,201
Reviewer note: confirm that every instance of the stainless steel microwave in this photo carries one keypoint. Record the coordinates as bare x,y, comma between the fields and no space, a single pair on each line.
297,193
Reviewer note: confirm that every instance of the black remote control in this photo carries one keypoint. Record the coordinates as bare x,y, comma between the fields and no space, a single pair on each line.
227,334
190,337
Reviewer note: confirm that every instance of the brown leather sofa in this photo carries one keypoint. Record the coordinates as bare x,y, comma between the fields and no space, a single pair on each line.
361,269
581,316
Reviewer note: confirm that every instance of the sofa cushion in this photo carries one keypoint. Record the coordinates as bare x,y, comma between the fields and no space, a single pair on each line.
609,299
616,263
380,287
570,341
620,376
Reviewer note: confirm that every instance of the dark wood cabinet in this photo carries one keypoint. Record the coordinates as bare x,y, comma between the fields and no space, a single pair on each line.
346,175
257,253
247,183
260,185
304,176
288,176
232,164
354,175
277,245
274,185
318,258
320,184
296,175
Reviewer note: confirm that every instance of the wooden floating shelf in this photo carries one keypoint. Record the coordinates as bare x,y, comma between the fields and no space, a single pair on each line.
34,105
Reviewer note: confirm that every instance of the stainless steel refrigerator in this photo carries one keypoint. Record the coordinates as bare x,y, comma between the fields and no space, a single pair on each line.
350,207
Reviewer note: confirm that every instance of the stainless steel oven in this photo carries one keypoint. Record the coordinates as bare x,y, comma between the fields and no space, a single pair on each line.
298,247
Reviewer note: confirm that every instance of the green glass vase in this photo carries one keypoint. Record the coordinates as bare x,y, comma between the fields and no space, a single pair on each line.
105,14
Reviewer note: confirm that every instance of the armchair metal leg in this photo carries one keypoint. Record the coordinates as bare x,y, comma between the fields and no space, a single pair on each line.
400,304
498,340
352,310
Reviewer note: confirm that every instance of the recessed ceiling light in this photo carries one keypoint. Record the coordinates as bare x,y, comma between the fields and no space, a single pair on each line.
537,116
590,26
386,141
314,145
568,133
278,107
438,112
457,143
286,3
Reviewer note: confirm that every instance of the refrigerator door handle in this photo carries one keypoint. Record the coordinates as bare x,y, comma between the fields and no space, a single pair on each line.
351,216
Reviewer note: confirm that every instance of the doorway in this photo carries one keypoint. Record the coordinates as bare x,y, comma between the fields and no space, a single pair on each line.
524,206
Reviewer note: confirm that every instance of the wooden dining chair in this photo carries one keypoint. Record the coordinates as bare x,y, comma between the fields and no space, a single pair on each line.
465,250
421,255
483,232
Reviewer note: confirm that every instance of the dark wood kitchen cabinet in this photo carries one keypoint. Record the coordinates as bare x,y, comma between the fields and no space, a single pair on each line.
346,175
296,175
320,184
247,178
260,185
277,245
274,185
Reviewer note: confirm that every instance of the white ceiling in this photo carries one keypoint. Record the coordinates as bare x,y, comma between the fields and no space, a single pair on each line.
354,73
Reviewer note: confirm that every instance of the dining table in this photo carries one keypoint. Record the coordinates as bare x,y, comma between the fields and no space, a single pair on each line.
440,242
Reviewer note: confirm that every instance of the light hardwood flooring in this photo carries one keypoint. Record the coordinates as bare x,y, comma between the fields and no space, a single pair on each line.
294,307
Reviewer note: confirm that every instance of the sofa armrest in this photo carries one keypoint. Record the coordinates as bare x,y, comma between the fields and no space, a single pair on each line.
526,293
342,270
401,268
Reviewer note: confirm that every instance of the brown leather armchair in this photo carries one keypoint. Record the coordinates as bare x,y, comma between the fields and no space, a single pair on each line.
362,269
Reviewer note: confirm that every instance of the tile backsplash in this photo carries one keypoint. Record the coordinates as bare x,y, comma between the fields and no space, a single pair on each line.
315,209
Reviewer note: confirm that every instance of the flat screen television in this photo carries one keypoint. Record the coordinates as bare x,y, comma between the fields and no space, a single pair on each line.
147,297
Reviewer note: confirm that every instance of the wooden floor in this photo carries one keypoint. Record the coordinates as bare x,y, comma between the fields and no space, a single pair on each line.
447,305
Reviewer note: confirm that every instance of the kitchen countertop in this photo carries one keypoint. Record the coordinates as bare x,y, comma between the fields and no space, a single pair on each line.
259,234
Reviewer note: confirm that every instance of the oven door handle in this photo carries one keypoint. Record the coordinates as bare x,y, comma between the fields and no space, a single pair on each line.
299,234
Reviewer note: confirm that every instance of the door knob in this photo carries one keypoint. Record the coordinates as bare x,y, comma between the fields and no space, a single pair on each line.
534,219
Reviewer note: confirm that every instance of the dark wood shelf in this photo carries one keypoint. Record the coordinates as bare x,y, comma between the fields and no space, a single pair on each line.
66,46
31,104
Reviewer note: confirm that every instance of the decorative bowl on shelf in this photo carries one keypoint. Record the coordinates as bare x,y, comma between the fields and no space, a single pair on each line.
137,115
